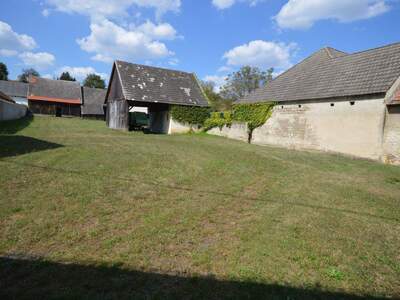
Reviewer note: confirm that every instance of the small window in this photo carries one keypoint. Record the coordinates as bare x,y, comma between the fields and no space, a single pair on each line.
352,102
332,104
299,106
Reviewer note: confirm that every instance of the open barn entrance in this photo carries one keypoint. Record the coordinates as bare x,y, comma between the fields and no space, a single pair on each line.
152,117
132,115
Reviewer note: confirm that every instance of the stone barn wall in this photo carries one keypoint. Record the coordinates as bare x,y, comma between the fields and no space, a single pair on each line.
336,126
391,138
237,131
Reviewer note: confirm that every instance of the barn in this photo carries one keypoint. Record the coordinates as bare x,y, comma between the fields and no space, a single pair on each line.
93,103
54,97
338,102
157,89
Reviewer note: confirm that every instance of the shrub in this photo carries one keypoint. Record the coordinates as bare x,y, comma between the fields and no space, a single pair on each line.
255,115
218,119
192,115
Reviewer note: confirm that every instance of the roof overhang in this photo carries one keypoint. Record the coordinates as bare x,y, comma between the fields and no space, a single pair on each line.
56,100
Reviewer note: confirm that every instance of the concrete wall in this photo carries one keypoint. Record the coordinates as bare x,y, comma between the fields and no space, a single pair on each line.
350,129
11,111
391,138
177,127
237,131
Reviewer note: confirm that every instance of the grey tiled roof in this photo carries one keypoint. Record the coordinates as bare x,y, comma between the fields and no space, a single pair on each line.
93,100
150,84
6,97
330,73
14,88
59,89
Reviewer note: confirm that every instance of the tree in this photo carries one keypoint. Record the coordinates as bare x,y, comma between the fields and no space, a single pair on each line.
66,76
24,77
215,100
3,72
244,81
94,81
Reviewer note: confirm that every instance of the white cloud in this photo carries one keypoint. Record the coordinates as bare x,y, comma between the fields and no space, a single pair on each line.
302,14
11,42
112,8
40,60
173,61
262,54
163,31
80,73
45,12
224,4
219,81
109,42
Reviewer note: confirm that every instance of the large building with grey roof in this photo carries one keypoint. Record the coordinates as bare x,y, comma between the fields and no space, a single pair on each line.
338,102
17,90
133,85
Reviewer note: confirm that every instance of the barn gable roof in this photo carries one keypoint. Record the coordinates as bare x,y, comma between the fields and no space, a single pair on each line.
330,73
14,88
156,85
5,97
93,101
42,89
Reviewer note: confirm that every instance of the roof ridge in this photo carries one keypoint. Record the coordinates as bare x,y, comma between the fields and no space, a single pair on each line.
160,68
329,49
374,49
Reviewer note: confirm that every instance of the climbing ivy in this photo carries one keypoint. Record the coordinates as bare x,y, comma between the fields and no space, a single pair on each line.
218,119
192,115
255,115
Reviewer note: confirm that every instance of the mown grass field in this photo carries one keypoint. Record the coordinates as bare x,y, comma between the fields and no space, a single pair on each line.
87,212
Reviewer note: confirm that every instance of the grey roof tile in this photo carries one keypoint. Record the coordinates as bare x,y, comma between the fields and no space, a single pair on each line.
14,88
149,84
330,73
59,89
93,101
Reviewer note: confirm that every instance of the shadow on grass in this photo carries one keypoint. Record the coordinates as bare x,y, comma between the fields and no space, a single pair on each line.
13,145
14,126
37,279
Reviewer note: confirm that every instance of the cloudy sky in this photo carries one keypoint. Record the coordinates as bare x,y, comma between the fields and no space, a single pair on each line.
209,37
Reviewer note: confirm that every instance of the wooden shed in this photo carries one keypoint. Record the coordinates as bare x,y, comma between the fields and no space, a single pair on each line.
133,85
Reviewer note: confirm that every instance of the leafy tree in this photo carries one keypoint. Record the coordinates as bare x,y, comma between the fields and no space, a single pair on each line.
66,76
215,100
3,72
94,81
244,81
24,77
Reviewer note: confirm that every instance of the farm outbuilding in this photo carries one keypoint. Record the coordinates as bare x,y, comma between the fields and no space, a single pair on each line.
133,85
93,103
54,97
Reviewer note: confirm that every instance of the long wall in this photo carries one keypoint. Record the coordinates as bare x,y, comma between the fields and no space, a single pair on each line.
11,111
364,128
350,127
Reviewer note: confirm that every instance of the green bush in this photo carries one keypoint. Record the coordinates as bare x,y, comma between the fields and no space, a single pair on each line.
255,115
218,119
192,115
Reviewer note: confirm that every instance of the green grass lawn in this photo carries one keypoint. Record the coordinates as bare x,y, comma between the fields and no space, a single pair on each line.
87,212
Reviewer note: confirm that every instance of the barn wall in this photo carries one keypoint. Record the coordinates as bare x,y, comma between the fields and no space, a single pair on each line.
118,115
237,131
11,111
49,108
350,129
391,139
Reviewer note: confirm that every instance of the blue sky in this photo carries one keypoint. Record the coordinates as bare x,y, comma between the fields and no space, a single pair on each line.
208,37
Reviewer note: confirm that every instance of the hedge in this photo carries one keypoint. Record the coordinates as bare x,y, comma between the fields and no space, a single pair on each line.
192,115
